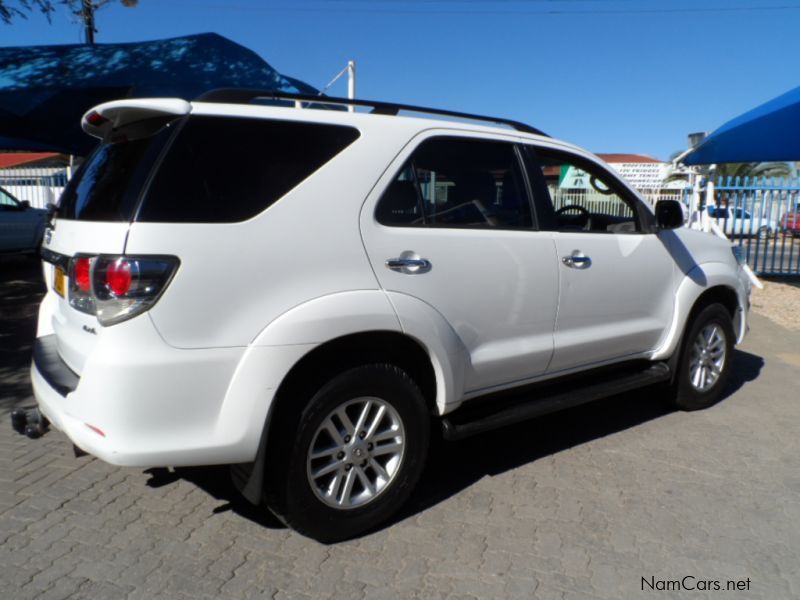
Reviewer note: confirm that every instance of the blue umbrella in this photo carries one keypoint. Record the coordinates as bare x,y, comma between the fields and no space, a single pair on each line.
44,90
770,132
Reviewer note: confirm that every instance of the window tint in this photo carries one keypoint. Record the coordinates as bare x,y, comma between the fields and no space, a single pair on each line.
107,185
452,182
226,170
584,197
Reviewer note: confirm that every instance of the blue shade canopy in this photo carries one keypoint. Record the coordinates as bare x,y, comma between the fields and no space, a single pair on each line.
770,132
44,90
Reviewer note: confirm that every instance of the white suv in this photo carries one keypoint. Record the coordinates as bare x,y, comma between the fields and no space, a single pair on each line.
306,293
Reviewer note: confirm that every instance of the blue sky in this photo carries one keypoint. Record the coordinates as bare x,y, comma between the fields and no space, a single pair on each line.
610,75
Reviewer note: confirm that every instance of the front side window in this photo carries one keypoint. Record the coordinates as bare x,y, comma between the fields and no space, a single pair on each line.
458,182
583,197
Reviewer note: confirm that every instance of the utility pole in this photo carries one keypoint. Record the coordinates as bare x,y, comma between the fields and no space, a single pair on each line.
351,83
87,14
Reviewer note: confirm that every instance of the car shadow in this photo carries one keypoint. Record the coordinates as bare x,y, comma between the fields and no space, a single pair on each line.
454,466
21,290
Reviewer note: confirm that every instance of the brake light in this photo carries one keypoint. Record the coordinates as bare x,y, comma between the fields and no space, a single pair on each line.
95,118
117,288
82,277
118,277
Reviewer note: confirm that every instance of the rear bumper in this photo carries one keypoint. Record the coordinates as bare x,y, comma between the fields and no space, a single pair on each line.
140,402
155,406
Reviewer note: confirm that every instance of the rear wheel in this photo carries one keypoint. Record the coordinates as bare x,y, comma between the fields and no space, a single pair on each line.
704,364
355,454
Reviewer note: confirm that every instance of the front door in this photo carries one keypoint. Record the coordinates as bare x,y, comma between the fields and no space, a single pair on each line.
451,226
616,275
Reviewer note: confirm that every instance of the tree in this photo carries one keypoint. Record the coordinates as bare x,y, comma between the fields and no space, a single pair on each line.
17,8
751,170
732,170
83,9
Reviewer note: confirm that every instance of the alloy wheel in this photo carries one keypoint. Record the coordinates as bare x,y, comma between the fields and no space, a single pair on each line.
356,453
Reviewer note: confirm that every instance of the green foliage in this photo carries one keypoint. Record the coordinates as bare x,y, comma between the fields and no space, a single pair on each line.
757,169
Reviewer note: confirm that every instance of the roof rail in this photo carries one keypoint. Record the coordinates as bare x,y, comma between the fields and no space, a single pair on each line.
245,96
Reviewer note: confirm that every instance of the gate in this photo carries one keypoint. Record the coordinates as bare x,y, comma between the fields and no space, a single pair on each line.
762,217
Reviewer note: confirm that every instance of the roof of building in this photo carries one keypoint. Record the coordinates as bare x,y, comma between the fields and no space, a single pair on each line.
628,158
18,159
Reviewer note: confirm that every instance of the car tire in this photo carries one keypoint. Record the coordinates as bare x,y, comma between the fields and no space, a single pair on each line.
354,455
705,360
764,233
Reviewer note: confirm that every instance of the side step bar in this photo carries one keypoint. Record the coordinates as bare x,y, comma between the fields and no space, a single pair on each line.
496,412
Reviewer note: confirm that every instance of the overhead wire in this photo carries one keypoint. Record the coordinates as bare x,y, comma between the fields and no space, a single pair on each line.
407,7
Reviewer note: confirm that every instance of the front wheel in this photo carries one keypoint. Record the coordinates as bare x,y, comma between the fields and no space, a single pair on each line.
704,364
357,453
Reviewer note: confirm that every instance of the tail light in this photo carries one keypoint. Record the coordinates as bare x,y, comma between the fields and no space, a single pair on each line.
117,288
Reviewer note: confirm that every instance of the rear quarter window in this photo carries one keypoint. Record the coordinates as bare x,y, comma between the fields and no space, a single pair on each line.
106,187
224,170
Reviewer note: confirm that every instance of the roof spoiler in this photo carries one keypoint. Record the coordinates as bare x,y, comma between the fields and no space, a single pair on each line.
123,120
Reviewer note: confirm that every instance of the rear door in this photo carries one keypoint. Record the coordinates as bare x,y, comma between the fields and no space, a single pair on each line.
451,225
616,275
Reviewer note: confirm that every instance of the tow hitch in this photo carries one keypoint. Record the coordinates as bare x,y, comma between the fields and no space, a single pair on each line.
29,421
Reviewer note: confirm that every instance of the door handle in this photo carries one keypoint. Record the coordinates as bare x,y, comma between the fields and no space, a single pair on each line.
409,263
577,260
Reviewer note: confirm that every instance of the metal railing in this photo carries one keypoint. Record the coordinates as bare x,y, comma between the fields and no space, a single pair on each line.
762,217
37,185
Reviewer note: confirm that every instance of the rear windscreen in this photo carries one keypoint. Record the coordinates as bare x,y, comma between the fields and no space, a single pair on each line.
223,169
106,187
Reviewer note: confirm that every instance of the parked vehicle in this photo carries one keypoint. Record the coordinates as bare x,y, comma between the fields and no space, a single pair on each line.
790,221
736,221
21,226
366,280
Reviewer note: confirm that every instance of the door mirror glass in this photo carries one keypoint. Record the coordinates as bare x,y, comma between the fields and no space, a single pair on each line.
669,214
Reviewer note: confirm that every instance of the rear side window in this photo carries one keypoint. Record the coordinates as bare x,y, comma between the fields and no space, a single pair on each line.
452,182
224,170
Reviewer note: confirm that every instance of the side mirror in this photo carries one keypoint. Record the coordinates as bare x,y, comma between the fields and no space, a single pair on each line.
669,214
24,204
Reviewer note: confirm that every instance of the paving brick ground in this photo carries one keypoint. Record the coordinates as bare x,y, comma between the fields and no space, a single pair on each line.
583,504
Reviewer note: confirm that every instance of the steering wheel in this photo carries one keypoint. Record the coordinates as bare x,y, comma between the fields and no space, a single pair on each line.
584,218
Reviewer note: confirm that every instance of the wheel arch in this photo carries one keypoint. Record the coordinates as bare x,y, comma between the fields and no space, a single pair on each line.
722,294
356,349
704,285
317,366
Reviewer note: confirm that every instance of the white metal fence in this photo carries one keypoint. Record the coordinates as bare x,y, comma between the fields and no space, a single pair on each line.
606,204
37,185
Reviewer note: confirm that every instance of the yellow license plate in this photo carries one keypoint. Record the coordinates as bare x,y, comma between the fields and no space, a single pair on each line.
59,281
